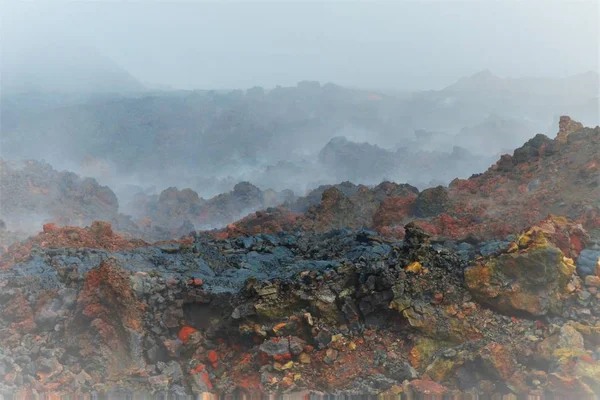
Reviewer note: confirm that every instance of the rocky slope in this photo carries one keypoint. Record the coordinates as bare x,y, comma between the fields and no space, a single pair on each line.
558,176
33,193
340,312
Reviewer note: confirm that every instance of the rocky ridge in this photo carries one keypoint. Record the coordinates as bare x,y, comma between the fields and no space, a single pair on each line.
545,176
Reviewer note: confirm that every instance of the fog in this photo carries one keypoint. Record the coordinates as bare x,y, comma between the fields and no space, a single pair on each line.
405,45
289,95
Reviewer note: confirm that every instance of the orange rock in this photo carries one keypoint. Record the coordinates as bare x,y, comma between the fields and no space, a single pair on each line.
213,357
185,333
309,349
49,227
196,282
282,357
199,368
414,267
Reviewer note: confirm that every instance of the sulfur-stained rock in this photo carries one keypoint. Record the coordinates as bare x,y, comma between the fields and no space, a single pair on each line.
441,368
569,386
415,267
589,370
325,318
591,333
304,358
562,346
533,279
422,351
566,127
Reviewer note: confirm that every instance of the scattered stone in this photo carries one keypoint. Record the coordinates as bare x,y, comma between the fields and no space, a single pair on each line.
330,356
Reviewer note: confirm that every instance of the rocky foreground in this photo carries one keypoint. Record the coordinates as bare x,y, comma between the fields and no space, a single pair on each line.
339,312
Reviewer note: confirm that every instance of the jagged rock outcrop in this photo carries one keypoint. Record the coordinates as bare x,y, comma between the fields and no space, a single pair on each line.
107,324
566,126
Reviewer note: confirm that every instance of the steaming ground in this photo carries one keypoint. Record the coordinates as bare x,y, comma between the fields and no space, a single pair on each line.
288,137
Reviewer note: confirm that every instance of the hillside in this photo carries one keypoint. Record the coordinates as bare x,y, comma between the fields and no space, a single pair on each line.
545,176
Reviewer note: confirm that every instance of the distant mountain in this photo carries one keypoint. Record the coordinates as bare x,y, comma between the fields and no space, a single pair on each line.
585,84
61,65
494,134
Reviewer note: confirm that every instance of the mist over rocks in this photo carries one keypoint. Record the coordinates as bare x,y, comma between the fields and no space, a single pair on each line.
286,137
544,176
175,210
526,186
32,193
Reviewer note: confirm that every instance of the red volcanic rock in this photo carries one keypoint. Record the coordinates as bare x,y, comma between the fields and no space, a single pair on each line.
185,333
177,212
213,357
18,314
395,211
17,309
570,238
269,221
98,236
108,318
411,325
33,190
333,312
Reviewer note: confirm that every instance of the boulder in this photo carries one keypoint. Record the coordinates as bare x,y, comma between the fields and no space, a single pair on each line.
531,276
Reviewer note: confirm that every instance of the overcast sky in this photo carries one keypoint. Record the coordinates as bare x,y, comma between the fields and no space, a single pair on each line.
402,45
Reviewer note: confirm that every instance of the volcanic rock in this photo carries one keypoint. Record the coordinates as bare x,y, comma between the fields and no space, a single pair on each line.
531,276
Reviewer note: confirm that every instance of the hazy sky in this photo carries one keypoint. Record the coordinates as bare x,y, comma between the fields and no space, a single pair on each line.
400,44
